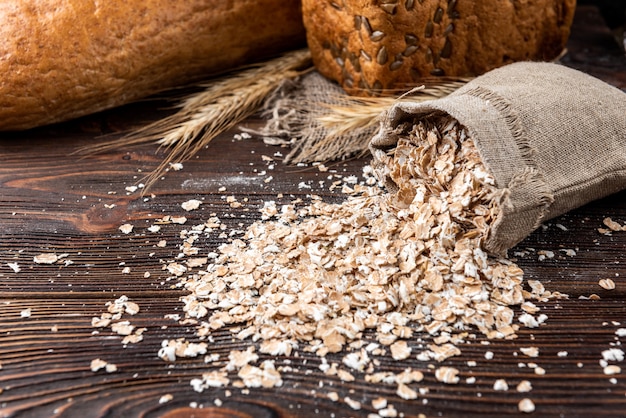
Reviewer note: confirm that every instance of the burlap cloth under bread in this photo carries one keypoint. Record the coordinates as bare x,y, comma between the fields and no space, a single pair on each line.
553,138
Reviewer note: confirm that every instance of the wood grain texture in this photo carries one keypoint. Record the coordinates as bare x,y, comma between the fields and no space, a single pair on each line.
52,201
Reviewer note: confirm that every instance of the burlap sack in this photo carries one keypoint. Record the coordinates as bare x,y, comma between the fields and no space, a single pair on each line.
553,138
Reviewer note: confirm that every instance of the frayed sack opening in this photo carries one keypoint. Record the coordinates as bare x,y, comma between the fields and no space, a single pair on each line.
552,137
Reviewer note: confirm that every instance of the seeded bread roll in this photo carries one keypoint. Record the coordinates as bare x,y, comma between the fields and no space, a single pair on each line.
373,45
60,59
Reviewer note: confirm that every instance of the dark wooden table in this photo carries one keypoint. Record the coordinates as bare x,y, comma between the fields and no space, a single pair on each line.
53,202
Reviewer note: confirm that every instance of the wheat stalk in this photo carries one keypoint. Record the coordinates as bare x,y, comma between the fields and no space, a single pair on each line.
203,116
364,112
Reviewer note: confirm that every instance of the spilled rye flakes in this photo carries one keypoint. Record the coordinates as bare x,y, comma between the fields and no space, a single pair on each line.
318,277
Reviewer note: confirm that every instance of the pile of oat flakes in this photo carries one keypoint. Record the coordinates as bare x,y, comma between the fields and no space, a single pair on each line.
365,278
316,277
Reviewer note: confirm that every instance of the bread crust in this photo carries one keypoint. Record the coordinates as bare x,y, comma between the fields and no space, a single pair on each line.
372,46
61,59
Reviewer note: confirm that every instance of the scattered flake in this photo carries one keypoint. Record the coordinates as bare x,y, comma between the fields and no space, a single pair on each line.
345,376
405,392
46,258
100,322
409,376
154,228
356,360
613,354
530,308
176,269
176,166
122,328
232,202
529,320
196,262
126,228
15,267
245,135
212,379
99,364
447,375
526,405
391,412
612,369
166,398
545,254
443,352
620,332
400,350
379,403
607,284
524,386
171,349
612,225
500,385
238,359
191,204
131,308
265,376
562,354
135,337
530,351
122,305
356,405
333,396
25,313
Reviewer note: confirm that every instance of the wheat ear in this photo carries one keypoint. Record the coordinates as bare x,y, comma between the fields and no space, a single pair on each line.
363,112
203,116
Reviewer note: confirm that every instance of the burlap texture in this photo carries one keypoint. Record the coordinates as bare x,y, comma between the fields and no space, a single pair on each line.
293,113
553,138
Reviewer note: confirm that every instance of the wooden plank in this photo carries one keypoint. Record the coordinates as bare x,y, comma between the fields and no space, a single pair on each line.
53,202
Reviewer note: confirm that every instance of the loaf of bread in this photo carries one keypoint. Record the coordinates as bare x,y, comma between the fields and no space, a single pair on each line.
61,59
373,46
